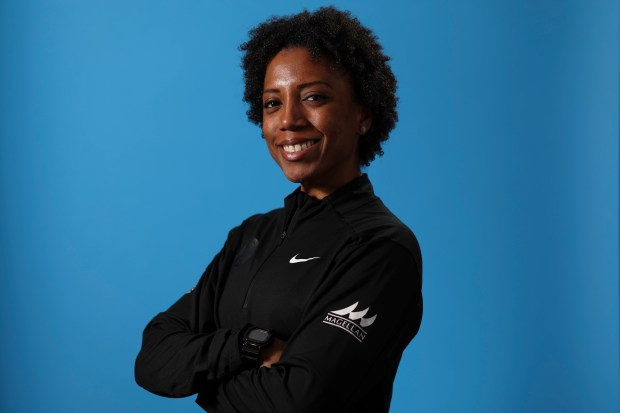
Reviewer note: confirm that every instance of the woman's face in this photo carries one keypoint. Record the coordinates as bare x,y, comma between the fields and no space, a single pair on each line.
312,122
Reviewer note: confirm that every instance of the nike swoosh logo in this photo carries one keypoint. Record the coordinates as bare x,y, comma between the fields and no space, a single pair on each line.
295,260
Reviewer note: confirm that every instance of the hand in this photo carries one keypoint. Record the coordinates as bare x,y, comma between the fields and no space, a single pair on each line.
270,355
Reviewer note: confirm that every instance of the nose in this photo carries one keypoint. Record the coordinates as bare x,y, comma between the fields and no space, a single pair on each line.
292,116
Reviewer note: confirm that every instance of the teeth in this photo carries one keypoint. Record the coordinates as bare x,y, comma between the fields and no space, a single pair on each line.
298,147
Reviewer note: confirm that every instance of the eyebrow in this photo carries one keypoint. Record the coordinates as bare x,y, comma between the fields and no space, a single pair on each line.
303,85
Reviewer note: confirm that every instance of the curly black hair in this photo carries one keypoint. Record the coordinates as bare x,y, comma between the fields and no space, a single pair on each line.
351,46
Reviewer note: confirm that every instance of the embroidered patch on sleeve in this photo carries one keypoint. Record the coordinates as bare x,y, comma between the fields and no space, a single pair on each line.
353,322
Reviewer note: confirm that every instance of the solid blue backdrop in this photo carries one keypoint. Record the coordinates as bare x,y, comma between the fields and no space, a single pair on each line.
125,157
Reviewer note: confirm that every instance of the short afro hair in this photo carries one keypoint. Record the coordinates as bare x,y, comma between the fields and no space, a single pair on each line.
342,38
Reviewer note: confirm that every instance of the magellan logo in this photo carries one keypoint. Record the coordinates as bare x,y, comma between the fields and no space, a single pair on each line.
350,324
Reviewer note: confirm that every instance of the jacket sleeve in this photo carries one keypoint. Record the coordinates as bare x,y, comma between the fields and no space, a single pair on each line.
340,350
182,350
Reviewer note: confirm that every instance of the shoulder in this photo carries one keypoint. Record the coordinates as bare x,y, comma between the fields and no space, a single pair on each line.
374,224
262,226
261,220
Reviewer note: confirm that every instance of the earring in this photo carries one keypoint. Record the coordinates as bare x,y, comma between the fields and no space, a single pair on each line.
362,130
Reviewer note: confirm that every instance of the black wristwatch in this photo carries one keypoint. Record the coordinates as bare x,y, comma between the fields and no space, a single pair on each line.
254,340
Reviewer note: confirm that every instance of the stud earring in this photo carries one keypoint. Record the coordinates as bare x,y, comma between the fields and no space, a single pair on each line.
362,130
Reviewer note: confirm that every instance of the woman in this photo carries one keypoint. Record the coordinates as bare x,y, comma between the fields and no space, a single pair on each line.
307,308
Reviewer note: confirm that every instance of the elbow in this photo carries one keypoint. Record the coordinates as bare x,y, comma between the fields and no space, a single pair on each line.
160,380
144,375
148,378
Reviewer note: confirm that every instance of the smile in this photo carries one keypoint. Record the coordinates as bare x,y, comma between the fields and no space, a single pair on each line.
298,147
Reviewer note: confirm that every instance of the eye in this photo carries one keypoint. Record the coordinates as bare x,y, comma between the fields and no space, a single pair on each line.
315,97
270,104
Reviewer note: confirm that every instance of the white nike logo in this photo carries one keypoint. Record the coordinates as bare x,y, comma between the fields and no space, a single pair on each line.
295,260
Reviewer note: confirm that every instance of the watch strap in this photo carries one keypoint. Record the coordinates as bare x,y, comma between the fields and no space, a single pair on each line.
253,341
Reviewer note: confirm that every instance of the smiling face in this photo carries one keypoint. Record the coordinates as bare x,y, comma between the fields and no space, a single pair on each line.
312,121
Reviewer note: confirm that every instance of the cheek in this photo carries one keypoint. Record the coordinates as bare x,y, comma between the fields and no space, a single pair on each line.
335,121
268,129
273,150
338,131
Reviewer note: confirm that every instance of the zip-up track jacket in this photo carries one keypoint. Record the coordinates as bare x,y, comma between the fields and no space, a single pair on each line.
338,279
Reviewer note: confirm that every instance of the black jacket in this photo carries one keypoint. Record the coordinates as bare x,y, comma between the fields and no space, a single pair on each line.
338,279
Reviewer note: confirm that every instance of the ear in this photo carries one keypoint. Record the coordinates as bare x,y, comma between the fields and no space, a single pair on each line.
364,120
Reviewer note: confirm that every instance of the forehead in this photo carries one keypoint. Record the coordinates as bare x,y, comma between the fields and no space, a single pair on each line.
298,64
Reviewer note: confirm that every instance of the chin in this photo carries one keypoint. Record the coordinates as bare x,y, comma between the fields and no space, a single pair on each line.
296,176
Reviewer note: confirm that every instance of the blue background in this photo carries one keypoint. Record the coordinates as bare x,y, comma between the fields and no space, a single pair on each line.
125,157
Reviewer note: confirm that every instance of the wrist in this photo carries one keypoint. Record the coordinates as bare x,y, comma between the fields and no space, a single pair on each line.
253,340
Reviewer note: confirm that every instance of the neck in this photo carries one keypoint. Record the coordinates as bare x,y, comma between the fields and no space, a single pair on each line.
320,191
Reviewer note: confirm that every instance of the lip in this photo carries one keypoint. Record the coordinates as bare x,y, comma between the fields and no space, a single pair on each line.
299,155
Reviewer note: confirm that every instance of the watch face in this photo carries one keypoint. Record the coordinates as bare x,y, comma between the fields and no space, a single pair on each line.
258,334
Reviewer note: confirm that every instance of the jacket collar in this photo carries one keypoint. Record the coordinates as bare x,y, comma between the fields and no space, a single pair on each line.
353,194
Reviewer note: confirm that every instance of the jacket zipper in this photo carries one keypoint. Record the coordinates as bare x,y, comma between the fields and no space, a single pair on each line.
287,223
253,280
